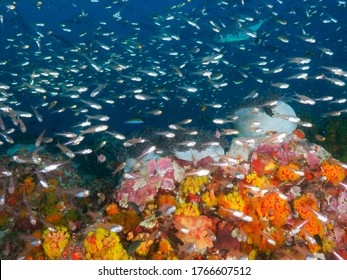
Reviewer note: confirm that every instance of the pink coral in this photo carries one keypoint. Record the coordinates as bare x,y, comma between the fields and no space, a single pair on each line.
342,207
282,152
155,174
312,160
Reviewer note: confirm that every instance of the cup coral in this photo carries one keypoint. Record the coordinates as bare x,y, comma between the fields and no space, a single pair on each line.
54,242
287,173
333,172
254,180
232,201
209,198
193,184
275,208
188,209
104,245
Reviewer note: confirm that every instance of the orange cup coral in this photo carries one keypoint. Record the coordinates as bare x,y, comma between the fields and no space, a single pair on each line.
333,172
287,173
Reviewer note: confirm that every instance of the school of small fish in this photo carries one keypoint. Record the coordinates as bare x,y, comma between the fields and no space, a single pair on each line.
73,74
164,66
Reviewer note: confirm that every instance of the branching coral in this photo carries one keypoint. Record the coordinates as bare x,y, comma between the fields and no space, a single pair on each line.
54,242
153,175
104,245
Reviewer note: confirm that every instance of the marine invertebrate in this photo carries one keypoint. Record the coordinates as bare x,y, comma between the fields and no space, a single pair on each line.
112,209
262,237
154,174
27,185
307,207
288,173
166,199
276,209
209,198
231,201
268,122
128,219
165,248
333,172
145,244
342,207
253,179
54,242
304,203
193,184
53,216
197,231
104,245
188,209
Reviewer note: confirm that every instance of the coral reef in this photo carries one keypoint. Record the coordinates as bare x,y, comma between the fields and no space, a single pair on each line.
285,200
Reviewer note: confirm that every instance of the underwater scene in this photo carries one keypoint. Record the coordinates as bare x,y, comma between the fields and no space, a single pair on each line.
173,130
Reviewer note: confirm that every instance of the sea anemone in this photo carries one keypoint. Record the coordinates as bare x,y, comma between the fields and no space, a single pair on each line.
314,227
104,245
54,242
276,209
303,204
165,251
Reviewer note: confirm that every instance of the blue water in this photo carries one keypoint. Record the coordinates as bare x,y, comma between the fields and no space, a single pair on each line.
134,41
